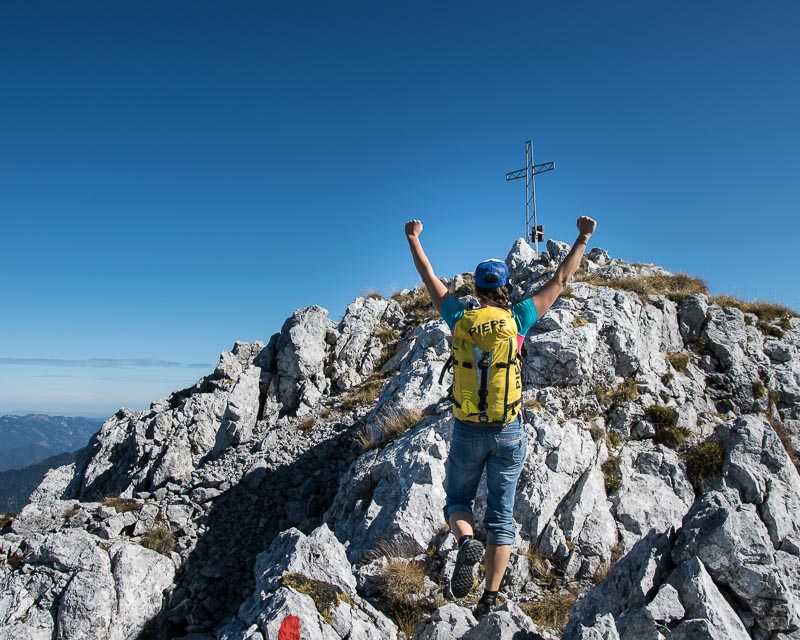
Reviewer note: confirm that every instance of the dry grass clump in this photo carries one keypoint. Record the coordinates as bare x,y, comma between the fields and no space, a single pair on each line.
678,360
597,432
674,286
159,538
612,476
400,581
769,330
401,584
307,423
123,505
364,394
665,420
395,423
14,560
764,311
767,313
70,511
626,391
390,338
540,565
777,425
533,404
613,440
417,305
364,441
392,424
704,462
6,519
759,390
374,295
579,321
552,610
387,334
326,596
466,288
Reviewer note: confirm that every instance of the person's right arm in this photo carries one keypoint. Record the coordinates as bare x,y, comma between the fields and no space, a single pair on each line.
547,295
436,289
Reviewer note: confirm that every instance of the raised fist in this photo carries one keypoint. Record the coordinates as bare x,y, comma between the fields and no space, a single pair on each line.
586,225
413,228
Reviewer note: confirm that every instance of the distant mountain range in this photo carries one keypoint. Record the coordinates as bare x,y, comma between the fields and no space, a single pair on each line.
17,485
29,439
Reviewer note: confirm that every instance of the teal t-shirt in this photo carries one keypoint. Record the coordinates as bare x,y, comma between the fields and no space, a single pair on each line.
525,314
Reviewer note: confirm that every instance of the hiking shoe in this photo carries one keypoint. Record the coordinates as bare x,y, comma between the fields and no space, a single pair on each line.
484,606
469,554
482,609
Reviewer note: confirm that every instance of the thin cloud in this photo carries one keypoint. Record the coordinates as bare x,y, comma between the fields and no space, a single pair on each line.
104,363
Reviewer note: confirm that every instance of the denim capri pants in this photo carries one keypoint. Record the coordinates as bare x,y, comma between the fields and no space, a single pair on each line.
501,451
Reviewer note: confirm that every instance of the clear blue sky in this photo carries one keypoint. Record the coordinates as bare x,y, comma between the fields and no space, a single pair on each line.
175,176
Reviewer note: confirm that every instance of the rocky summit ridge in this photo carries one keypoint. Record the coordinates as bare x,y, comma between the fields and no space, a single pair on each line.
296,491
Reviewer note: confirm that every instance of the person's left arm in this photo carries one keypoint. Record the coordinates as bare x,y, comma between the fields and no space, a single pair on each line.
547,295
436,289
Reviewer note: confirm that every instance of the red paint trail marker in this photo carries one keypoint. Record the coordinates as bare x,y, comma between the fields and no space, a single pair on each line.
290,628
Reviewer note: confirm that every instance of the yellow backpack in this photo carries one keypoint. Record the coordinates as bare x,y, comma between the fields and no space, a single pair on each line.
487,378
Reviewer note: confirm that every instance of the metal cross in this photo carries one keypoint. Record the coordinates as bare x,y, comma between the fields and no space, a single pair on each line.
533,231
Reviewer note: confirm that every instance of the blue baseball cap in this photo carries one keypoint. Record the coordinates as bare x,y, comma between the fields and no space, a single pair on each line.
491,274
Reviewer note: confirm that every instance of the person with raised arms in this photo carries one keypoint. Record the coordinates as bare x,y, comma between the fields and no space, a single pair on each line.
487,404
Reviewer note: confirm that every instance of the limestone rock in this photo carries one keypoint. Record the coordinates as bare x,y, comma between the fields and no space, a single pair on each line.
301,352
309,578
506,622
448,621
394,495
141,577
358,349
557,250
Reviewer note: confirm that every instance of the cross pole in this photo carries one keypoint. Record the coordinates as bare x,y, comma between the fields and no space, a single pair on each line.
533,231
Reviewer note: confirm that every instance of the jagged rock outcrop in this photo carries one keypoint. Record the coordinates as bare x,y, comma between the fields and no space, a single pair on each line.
731,570
282,488
308,578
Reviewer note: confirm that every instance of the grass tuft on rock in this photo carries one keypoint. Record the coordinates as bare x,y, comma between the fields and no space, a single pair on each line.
613,440
665,420
674,287
540,565
159,539
307,423
5,520
626,391
764,311
365,394
401,585
391,425
533,404
552,610
71,511
579,321
123,505
417,305
14,560
326,596
704,462
612,476
678,360
785,439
